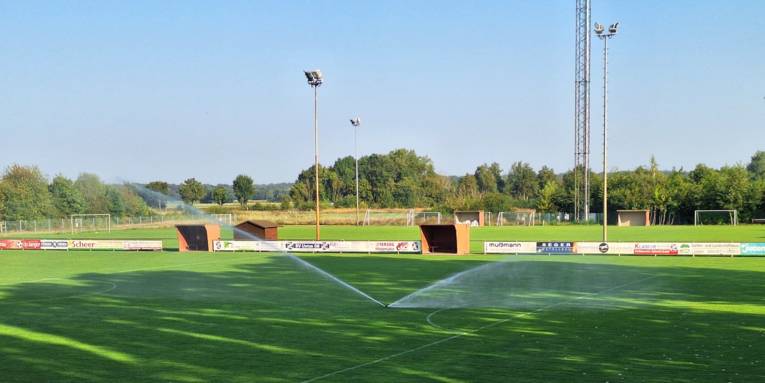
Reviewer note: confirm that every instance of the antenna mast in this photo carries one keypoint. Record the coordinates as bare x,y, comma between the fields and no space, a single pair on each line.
582,112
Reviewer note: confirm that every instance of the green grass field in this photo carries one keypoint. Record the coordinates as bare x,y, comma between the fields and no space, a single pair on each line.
91,316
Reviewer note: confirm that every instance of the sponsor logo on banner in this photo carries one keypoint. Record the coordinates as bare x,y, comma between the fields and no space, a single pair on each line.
609,248
555,247
510,247
656,249
757,248
715,248
396,247
142,245
237,246
96,244
54,244
313,246
31,244
10,244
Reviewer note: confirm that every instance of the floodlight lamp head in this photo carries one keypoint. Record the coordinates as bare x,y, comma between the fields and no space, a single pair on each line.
355,121
314,77
612,29
599,28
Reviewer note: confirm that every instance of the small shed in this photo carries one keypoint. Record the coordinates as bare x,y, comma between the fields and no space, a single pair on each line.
633,218
259,229
197,237
472,218
450,239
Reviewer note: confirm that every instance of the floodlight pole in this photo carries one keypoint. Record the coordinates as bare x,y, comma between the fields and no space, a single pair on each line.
599,30
315,80
356,122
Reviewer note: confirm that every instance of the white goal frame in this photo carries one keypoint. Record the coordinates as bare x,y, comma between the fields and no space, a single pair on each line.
80,218
732,214
412,216
529,217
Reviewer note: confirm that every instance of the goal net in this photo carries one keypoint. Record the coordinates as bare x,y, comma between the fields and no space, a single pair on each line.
715,217
426,217
90,222
515,218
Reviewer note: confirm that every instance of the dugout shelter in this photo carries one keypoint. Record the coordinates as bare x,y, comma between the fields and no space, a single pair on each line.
265,230
449,239
197,237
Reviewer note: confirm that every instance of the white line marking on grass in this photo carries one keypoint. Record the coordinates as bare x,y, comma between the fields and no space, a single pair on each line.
469,332
430,316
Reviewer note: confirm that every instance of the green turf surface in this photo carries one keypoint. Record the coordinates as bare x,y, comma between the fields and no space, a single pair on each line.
197,317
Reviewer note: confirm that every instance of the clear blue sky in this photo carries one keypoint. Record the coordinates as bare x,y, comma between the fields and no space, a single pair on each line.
144,90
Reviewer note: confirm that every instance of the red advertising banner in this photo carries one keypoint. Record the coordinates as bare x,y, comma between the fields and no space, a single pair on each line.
31,244
11,244
656,249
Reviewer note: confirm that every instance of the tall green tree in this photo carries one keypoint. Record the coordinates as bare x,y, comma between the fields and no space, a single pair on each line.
243,189
756,166
486,179
522,181
93,192
24,194
546,200
220,195
66,199
191,191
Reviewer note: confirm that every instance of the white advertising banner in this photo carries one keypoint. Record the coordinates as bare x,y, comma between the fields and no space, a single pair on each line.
614,248
714,248
92,244
54,244
510,247
142,245
320,246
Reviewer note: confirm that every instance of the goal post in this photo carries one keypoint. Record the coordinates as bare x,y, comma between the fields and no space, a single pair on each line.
90,222
715,217
516,218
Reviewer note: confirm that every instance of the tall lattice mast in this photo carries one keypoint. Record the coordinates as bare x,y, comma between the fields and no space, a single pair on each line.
582,112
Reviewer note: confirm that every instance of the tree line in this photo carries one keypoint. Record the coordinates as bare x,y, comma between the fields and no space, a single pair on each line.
26,194
403,179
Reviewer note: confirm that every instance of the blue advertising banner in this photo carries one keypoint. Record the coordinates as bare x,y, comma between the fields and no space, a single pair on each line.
757,248
555,247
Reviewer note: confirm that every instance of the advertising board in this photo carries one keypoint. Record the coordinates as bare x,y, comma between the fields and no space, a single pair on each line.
54,244
11,244
752,249
321,246
509,247
714,248
657,248
613,248
555,247
142,245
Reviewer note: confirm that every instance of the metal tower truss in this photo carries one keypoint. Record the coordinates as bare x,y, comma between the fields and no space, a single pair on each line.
582,111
